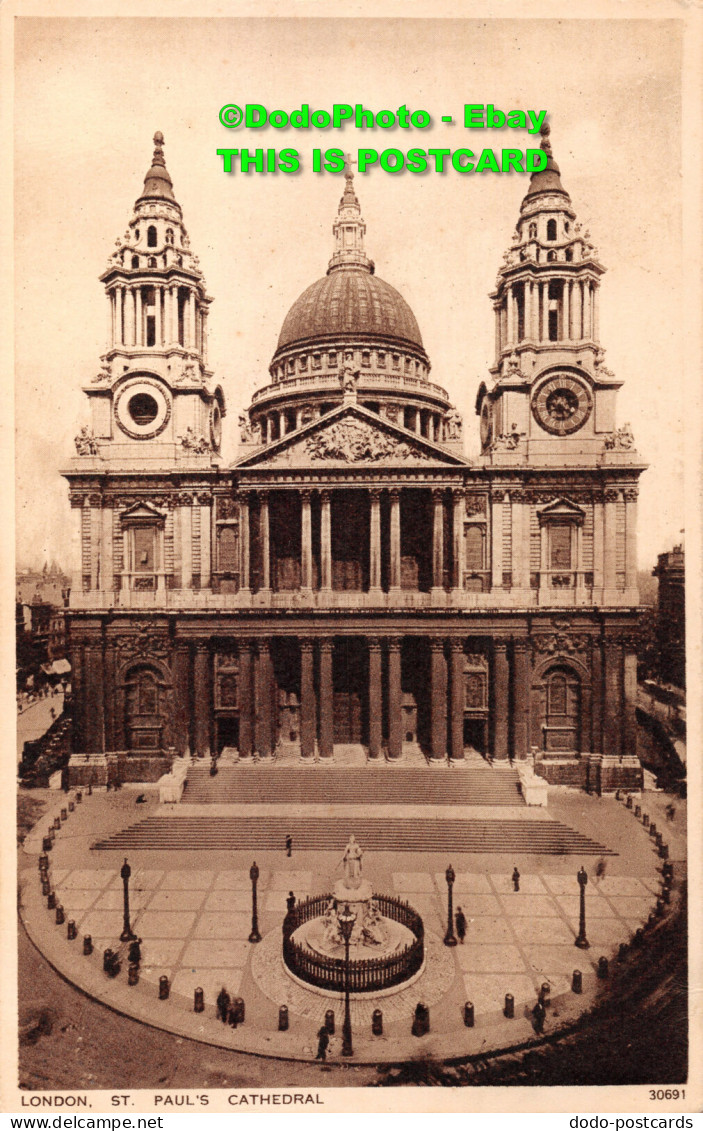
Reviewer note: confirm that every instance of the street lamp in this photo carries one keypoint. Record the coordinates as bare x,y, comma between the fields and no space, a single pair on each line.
346,920
255,936
450,937
127,932
582,942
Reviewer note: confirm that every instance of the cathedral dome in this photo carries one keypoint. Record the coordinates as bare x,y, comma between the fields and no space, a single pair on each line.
350,301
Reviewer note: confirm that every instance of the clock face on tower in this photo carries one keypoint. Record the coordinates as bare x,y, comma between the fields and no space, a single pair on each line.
562,404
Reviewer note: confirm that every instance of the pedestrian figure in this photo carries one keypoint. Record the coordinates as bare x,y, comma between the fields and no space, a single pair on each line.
223,1005
600,869
135,952
213,766
232,1016
323,1043
290,901
516,879
289,845
670,812
538,1015
460,924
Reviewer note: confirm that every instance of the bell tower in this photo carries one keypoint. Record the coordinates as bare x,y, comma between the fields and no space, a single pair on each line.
152,400
552,395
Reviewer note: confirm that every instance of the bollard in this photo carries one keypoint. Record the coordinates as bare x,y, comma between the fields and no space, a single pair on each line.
46,844
651,921
629,801
666,895
51,901
618,795
111,963
57,822
638,938
377,1023
622,952
659,840
64,814
659,910
90,789
509,1007
638,810
60,917
107,958
602,967
43,862
198,1000
45,886
544,993
668,870
132,974
282,1018
71,930
421,1020
652,829
577,982
71,806
469,1014
238,1007
664,851
79,797
164,988
87,944
329,1022
645,820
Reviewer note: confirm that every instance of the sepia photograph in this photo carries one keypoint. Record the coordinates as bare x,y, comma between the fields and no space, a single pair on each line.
354,422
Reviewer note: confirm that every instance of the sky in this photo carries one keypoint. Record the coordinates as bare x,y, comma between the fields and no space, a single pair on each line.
90,93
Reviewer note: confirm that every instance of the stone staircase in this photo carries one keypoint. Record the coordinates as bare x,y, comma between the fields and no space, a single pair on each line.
382,834
352,785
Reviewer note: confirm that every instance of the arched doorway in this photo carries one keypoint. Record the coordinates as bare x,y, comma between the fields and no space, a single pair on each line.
144,708
560,710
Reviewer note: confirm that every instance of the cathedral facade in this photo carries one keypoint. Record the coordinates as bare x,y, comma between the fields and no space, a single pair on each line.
354,587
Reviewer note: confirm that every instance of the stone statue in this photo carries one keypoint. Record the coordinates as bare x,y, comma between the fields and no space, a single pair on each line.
330,925
349,375
454,424
623,440
373,931
193,443
86,444
352,864
244,429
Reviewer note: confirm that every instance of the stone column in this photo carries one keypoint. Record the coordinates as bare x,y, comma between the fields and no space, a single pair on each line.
497,540
205,545
395,541
281,425
613,699
174,315
307,700
611,502
544,319
110,694
246,728
264,701
95,539
566,310
500,699
181,697
201,700
138,318
375,542
78,687
395,700
458,510
456,740
595,307
576,311
438,540
521,697
192,309
94,699
326,700
244,511
587,310
438,700
511,315
306,541
630,495
597,544
326,541
596,698
375,699
265,535
111,319
629,702
107,580
157,316
496,311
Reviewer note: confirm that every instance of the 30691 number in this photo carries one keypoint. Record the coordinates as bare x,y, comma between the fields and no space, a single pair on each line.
667,1093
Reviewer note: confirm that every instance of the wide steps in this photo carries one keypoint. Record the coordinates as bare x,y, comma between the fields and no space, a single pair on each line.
265,834
384,785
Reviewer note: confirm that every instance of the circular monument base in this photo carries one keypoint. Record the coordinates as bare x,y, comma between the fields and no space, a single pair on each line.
391,938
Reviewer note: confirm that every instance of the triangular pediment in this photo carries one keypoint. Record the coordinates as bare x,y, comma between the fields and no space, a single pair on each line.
351,435
562,509
141,511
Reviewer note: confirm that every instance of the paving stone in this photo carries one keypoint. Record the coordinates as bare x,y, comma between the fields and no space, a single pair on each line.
209,979
603,932
560,959
213,926
478,904
597,907
101,923
490,959
484,929
529,883
92,878
164,924
176,899
623,885
161,952
474,882
544,931
229,900
289,881
413,881
142,879
238,881
199,881
275,901
216,952
487,991
520,904
631,908
114,900
76,899
563,885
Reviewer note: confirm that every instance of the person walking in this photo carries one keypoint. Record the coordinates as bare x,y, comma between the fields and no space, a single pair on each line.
538,1015
323,1043
290,902
135,952
289,845
223,1005
460,920
600,868
516,879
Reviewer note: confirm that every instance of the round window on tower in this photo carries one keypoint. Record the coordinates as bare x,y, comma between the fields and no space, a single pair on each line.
143,408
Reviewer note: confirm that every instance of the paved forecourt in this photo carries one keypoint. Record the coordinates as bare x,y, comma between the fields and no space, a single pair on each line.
193,909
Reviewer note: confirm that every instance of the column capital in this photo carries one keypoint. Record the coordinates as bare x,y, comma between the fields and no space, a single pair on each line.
182,646
306,494
500,647
456,644
375,494
306,645
438,495
325,495
394,643
264,647
521,645
458,494
202,648
374,643
327,645
437,643
394,493
263,494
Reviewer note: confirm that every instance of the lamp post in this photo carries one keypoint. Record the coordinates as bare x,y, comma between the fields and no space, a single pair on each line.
582,942
255,935
346,920
450,937
127,932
